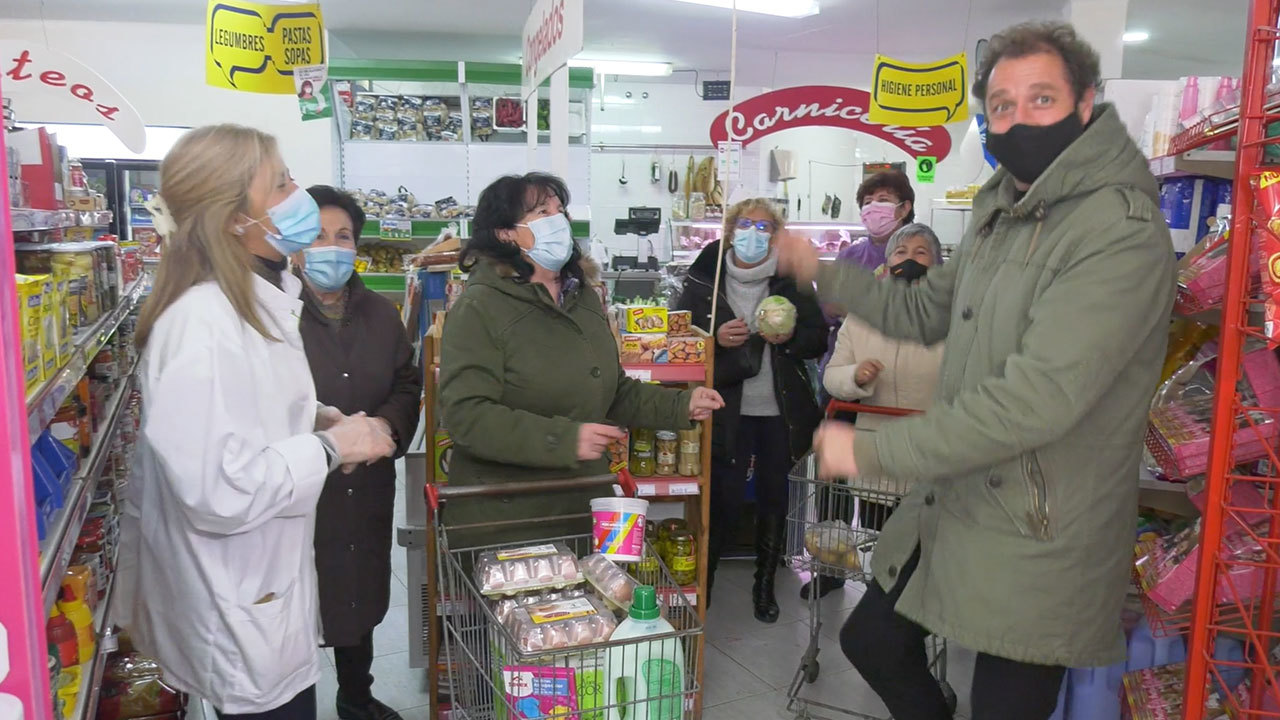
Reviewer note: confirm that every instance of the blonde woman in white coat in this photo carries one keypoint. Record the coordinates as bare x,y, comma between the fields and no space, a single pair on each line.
876,370
217,570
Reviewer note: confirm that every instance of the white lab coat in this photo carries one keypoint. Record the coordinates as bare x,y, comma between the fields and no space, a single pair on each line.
217,563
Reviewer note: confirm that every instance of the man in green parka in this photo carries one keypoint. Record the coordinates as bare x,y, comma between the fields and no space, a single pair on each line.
1017,538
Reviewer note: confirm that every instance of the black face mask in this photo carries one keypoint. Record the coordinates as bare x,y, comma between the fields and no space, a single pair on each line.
908,271
1028,150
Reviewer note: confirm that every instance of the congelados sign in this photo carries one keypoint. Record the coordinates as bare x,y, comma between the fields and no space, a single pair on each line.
823,106
254,46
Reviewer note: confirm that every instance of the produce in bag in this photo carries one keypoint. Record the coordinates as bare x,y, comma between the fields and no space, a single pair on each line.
776,316
833,543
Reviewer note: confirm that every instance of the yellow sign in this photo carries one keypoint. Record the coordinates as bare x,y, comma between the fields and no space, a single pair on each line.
254,46
912,95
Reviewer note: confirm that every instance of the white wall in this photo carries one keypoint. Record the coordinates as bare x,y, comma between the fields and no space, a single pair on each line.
159,68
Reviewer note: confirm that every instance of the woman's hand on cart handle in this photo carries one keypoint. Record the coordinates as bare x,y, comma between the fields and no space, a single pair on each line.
703,402
833,448
594,439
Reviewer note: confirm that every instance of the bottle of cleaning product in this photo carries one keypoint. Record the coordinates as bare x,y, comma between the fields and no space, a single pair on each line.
644,680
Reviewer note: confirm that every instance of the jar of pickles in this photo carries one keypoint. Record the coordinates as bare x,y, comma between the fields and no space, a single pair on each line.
647,570
689,462
684,558
666,529
642,458
667,449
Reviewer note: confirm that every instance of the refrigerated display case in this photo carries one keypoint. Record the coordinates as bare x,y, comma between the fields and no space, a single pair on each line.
128,184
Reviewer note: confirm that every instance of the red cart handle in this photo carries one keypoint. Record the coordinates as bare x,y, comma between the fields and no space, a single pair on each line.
436,494
836,406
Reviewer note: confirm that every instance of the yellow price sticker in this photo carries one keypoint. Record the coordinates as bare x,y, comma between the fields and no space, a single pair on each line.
254,47
919,95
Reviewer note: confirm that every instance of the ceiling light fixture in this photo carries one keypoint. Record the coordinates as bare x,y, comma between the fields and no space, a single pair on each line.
624,67
1136,36
781,8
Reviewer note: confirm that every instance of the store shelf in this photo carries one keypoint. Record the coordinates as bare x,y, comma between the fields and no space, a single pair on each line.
667,373
91,681
45,399
64,530
660,487
30,220
392,283
1219,126
428,229
1209,163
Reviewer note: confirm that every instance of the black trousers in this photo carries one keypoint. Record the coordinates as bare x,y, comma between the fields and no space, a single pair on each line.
301,707
765,439
889,651
353,665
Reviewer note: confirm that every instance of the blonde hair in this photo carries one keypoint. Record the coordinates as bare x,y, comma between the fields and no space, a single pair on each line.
205,181
736,211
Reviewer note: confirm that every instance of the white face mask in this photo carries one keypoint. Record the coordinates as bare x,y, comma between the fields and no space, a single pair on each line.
552,241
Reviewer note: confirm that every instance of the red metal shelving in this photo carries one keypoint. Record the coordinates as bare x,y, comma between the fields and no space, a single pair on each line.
1236,591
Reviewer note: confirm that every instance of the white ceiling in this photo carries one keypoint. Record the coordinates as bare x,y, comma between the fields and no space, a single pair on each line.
1187,36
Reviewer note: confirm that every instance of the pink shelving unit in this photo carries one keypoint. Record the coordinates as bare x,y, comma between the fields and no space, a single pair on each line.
20,602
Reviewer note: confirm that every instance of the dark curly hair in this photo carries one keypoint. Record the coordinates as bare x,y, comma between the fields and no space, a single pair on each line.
894,181
329,196
503,204
1084,67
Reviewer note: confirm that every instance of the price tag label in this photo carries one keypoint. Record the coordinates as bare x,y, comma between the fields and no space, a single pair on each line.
641,374
685,488
646,490
395,229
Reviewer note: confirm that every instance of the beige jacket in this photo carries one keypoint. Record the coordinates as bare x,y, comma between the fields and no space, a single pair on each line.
908,380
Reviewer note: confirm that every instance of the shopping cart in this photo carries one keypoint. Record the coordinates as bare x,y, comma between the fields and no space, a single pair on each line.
493,673
831,530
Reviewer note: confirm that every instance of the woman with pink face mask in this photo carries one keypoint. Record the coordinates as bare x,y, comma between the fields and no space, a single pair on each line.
887,202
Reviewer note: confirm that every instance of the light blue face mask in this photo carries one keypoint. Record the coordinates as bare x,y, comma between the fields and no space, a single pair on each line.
552,241
329,268
297,221
751,245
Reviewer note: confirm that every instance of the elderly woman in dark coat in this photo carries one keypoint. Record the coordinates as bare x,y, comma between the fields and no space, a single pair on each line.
362,363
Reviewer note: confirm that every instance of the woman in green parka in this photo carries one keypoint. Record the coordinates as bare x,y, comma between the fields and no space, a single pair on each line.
531,387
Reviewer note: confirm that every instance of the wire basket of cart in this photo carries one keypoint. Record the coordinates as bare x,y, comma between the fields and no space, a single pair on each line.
832,527
551,628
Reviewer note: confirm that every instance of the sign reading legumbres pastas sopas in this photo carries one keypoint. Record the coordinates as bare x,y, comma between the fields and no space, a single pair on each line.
914,94
255,46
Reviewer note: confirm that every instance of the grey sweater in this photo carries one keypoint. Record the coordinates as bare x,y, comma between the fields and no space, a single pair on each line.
745,288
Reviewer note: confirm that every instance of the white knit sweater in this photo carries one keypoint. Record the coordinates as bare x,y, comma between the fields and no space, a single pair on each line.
745,288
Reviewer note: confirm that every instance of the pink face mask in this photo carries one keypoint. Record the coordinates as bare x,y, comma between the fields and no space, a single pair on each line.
880,218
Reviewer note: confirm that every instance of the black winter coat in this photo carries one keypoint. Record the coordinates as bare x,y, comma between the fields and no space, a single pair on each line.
365,365
792,384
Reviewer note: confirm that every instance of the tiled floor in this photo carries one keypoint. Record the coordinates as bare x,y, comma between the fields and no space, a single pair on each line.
749,665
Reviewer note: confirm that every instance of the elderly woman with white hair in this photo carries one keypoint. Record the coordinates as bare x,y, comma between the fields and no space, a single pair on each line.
871,368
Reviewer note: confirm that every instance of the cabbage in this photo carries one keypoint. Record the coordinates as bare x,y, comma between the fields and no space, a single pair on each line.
776,316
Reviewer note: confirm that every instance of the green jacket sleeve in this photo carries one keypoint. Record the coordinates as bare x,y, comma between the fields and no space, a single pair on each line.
643,405
1084,328
471,372
919,312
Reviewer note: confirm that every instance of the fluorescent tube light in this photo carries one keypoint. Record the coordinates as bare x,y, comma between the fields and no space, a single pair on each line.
1136,36
643,129
781,8
624,67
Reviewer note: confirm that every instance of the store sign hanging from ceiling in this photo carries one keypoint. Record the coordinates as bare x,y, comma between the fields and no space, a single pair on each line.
255,46
823,106
914,94
552,35
60,87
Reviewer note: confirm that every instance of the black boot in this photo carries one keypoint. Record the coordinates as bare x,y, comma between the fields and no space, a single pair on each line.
826,585
769,539
365,709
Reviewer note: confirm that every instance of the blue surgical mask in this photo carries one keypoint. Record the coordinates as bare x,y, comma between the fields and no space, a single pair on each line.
552,241
329,268
751,245
297,221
